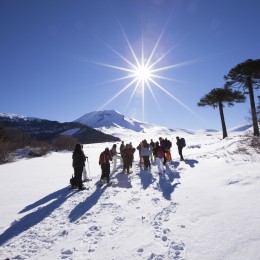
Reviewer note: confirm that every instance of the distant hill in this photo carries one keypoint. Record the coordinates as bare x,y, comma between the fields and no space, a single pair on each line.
94,127
43,129
112,122
110,118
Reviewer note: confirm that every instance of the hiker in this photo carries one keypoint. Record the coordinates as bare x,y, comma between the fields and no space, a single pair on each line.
159,157
84,172
168,145
122,146
104,162
139,147
78,164
156,144
152,154
163,145
146,151
128,156
115,155
180,145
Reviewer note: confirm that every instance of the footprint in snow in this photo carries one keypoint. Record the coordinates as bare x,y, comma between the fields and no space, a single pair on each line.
156,202
154,256
92,237
66,253
176,251
160,232
117,222
112,208
63,233
133,201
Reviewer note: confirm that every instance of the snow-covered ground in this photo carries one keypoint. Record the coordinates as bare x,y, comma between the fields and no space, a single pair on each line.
204,208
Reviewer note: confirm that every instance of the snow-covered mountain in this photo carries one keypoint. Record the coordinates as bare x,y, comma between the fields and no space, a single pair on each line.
43,129
110,121
110,118
14,117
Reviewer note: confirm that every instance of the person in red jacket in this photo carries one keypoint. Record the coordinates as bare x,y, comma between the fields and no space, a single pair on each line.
104,162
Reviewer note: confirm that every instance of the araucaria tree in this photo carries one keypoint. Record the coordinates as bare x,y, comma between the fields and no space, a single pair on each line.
246,75
258,110
217,97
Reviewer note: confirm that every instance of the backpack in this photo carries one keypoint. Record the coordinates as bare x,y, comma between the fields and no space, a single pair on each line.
160,152
73,181
112,152
128,152
102,158
182,142
168,145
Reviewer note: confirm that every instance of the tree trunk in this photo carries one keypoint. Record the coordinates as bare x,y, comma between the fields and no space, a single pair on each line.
224,129
252,104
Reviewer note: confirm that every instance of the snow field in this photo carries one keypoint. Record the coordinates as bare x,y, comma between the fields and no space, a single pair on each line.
206,207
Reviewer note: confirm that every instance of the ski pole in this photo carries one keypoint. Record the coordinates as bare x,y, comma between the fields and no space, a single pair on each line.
88,169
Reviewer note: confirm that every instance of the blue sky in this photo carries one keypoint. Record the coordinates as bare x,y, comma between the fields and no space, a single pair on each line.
56,57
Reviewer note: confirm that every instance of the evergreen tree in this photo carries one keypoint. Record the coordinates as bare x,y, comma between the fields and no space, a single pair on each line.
246,75
2,132
217,97
258,110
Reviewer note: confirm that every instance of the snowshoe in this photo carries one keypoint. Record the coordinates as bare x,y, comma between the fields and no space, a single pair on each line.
82,188
85,180
103,182
109,183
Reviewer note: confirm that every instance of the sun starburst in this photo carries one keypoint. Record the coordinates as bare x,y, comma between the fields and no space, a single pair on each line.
143,72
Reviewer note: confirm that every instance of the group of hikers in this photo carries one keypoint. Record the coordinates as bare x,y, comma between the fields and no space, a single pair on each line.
158,152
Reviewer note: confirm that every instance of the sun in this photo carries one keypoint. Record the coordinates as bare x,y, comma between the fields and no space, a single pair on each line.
143,72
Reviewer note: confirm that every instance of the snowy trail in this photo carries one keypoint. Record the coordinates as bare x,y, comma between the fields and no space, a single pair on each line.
182,214
69,211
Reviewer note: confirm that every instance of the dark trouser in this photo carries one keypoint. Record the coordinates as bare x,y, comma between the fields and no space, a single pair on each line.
105,171
78,175
180,152
127,163
146,161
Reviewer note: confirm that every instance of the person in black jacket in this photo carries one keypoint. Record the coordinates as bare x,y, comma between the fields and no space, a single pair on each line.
179,144
128,157
78,164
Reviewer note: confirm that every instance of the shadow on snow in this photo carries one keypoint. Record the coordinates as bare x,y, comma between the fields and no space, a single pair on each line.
191,162
86,205
165,184
146,178
123,180
31,219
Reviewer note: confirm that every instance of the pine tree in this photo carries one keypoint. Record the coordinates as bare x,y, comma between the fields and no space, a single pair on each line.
217,97
2,132
258,110
246,75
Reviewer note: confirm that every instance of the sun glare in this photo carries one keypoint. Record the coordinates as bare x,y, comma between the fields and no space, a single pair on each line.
143,73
